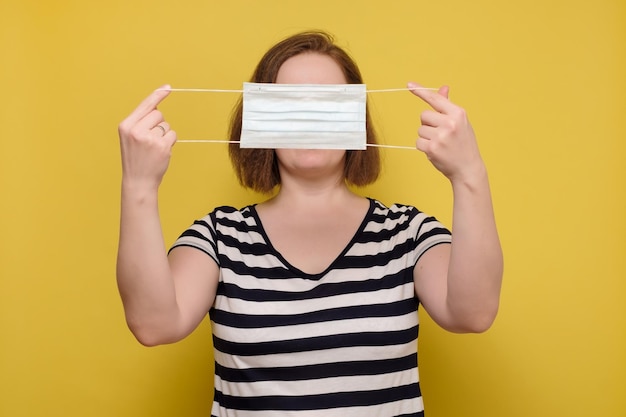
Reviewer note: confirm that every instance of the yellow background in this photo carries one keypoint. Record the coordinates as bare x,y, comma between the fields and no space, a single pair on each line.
544,85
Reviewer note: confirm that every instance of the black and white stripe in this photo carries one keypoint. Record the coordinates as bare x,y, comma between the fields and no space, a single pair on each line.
340,343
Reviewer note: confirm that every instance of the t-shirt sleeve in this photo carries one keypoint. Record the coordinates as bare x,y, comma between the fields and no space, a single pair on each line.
430,232
200,235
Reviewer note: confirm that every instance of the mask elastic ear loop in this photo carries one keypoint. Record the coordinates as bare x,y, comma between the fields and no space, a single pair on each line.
199,90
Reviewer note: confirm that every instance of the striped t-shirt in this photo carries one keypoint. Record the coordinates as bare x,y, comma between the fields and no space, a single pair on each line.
339,343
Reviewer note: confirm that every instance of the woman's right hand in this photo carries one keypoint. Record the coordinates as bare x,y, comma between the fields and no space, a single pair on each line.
146,142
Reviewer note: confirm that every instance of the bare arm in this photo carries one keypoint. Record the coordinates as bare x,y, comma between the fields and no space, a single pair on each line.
164,300
459,284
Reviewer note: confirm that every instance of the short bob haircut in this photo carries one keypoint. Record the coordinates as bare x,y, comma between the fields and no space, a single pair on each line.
257,169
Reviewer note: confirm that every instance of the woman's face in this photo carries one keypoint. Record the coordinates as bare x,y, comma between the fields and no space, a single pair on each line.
311,68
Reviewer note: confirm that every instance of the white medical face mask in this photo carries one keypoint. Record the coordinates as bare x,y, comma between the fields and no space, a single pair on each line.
303,116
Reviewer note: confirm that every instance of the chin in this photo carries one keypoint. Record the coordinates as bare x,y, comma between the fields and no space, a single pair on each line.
312,154
311,159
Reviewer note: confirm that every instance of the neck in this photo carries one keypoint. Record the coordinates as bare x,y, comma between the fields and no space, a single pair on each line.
312,194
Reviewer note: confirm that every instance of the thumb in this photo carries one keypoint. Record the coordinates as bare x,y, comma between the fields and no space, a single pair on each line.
444,90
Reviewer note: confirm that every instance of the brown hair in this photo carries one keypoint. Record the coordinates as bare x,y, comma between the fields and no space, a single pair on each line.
258,168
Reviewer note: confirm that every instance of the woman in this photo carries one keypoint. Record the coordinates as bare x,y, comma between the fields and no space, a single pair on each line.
313,294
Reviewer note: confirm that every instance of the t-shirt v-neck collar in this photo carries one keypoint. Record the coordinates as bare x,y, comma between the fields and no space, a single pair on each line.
297,270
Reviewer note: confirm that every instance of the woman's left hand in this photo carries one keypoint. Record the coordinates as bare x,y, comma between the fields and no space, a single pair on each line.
446,136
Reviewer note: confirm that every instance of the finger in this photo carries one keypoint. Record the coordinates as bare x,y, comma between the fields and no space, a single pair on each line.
149,121
422,144
144,128
159,130
165,126
427,132
162,128
432,118
149,104
170,138
434,99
